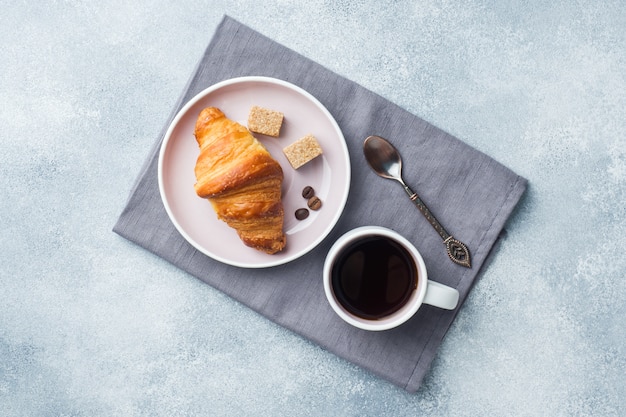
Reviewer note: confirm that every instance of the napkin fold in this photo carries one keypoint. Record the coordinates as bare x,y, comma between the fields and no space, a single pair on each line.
471,194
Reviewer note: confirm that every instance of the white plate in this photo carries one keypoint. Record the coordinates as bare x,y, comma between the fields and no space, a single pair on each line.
328,174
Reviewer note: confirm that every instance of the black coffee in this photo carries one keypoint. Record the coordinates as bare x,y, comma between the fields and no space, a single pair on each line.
373,277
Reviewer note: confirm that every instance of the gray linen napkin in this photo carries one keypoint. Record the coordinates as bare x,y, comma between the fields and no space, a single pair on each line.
471,194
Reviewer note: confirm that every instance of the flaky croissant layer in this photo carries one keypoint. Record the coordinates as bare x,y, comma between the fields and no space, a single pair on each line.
240,178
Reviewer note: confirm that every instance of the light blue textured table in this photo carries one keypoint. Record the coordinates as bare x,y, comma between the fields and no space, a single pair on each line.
92,325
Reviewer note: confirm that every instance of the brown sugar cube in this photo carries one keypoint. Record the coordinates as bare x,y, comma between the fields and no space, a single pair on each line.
265,121
302,151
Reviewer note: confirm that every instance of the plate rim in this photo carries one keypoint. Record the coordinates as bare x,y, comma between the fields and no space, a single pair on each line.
260,79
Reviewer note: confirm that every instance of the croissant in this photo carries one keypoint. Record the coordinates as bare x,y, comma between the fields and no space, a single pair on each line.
241,180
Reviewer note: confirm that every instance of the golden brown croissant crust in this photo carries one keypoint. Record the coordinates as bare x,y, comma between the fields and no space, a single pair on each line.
242,181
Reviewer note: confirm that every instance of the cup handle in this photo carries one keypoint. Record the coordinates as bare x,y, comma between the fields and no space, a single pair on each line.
441,296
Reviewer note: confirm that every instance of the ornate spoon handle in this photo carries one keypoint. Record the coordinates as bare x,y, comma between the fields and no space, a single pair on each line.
457,251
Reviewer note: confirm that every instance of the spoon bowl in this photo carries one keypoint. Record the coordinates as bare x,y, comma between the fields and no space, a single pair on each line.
383,157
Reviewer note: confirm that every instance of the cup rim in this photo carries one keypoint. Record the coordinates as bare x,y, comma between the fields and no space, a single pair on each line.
405,312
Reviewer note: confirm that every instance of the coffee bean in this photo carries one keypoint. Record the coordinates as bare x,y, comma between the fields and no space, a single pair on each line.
308,192
314,203
302,213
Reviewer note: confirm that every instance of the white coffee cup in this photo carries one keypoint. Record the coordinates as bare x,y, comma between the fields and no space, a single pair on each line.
422,292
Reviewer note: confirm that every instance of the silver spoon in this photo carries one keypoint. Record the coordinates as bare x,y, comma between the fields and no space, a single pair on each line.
385,160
